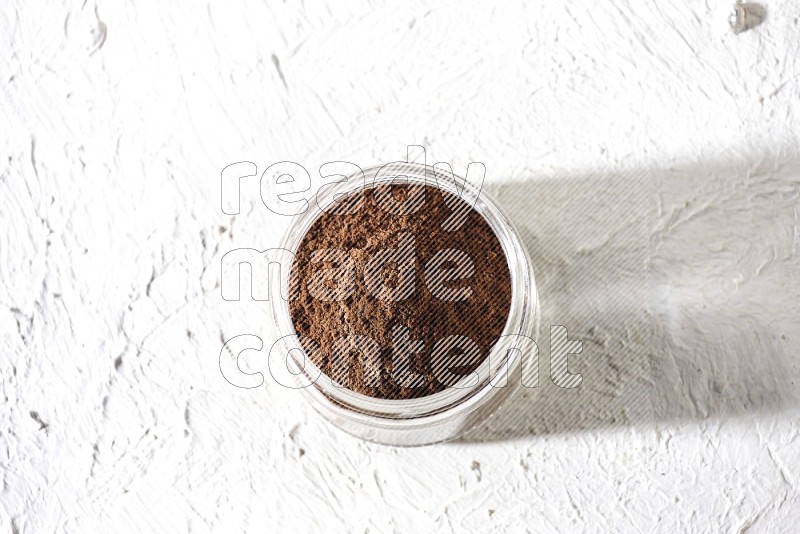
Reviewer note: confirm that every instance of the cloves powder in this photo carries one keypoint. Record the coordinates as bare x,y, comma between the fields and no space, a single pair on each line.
399,291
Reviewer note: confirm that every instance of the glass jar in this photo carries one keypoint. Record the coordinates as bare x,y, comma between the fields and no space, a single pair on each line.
440,416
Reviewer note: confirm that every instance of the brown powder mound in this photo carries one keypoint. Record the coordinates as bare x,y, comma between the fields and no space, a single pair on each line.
402,312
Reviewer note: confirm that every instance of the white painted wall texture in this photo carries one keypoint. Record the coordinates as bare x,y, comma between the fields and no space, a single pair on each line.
649,157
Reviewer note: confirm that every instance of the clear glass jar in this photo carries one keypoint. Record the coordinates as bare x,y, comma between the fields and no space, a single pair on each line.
433,418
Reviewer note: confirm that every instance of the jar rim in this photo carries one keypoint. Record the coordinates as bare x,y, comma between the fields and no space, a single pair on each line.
397,413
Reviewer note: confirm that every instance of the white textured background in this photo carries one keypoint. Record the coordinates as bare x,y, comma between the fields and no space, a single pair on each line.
650,159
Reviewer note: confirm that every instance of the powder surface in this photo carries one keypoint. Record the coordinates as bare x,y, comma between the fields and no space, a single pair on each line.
378,293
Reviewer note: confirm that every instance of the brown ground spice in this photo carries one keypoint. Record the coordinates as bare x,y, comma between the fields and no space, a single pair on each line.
360,235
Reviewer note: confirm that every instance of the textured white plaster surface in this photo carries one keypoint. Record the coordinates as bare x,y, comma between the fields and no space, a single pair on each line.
649,157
